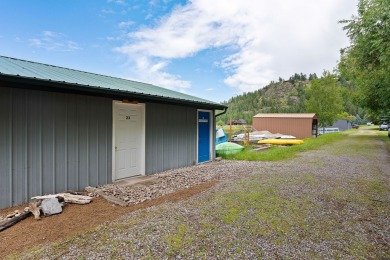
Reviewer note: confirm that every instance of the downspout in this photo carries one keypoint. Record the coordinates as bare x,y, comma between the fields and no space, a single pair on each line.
223,112
215,122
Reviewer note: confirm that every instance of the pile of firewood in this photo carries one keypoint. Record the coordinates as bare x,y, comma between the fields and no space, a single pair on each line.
46,205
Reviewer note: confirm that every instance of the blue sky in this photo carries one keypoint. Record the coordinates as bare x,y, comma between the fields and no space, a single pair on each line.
211,49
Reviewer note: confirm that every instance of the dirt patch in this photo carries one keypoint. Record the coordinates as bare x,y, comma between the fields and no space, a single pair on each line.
75,219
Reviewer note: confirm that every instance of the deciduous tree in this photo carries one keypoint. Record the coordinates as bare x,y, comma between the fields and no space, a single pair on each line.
367,60
324,99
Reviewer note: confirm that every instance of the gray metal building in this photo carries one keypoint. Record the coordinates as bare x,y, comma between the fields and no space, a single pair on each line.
63,129
342,125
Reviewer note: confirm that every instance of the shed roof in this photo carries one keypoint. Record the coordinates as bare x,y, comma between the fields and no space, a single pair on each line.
16,70
287,115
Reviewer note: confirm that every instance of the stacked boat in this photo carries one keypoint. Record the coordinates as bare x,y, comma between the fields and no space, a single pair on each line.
224,147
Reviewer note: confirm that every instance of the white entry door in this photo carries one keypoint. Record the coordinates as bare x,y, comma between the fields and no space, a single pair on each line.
129,140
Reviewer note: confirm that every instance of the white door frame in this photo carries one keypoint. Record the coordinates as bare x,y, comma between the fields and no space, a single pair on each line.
211,134
142,157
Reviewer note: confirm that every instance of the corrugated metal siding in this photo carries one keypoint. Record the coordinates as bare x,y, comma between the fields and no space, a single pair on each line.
170,137
52,142
342,125
298,127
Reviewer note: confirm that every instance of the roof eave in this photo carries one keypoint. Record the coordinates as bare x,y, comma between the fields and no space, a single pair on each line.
49,85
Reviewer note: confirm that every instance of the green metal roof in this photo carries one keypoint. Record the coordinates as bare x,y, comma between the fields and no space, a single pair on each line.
17,68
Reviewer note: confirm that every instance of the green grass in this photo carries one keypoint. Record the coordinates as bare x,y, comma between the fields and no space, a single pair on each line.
176,241
277,153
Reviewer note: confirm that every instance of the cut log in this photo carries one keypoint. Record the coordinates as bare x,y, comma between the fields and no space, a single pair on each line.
76,199
50,196
14,220
109,198
34,208
68,198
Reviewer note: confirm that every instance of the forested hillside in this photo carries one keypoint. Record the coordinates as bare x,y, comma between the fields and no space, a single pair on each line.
286,96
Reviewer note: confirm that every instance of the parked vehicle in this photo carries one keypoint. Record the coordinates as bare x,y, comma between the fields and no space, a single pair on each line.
388,132
370,124
384,127
355,126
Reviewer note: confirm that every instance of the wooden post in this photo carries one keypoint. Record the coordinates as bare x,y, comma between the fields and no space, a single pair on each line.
230,134
245,142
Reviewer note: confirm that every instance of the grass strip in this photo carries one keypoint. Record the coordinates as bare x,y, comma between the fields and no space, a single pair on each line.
277,153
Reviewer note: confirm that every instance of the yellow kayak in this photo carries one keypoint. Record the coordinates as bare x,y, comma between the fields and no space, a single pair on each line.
281,141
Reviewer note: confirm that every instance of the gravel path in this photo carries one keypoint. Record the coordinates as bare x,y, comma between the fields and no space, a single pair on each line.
329,203
178,179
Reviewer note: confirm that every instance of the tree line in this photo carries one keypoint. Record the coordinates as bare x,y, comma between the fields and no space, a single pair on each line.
358,90
330,96
366,62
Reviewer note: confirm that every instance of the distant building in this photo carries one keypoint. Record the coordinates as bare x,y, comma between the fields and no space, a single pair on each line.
341,124
237,122
298,125
241,122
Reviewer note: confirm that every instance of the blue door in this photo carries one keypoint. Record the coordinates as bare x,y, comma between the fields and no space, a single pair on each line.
203,136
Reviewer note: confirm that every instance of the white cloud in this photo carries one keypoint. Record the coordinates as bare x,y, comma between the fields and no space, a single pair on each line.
119,2
153,73
54,41
108,11
268,38
125,24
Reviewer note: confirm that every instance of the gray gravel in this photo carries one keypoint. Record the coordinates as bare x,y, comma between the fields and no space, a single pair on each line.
178,179
330,203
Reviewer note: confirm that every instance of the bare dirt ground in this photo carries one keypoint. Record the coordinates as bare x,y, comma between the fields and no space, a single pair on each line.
75,219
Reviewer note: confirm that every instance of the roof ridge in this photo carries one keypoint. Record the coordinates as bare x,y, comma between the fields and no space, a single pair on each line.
168,92
61,67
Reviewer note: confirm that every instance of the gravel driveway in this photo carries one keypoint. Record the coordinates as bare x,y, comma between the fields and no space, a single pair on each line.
328,203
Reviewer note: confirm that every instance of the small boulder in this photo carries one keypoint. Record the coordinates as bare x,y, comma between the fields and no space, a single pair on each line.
51,206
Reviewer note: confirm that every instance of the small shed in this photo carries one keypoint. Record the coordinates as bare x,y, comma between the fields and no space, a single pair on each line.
302,125
342,125
63,129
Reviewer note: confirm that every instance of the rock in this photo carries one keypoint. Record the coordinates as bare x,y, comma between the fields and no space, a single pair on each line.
51,206
92,195
90,189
